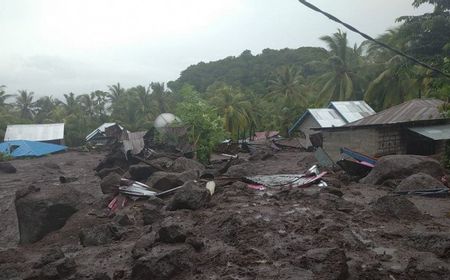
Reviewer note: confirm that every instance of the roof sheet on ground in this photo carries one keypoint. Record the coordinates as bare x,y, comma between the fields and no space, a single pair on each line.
435,132
352,110
35,132
413,110
23,148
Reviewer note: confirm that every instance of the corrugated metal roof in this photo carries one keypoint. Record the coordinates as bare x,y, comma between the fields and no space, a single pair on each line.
413,110
327,117
352,110
24,148
435,132
100,129
35,132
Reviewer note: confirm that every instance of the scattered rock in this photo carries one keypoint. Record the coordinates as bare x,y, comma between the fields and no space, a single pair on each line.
424,266
165,180
172,233
11,256
99,235
151,214
326,263
402,166
111,183
106,171
333,190
396,207
261,155
163,163
141,172
101,276
52,165
419,181
183,164
6,167
435,242
51,256
143,244
123,220
164,261
42,212
190,196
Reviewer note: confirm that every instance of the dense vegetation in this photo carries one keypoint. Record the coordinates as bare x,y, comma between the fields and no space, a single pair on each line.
238,95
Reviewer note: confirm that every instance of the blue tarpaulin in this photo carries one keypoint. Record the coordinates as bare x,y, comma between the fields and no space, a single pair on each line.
23,148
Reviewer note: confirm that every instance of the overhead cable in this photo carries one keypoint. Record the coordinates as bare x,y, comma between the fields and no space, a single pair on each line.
333,18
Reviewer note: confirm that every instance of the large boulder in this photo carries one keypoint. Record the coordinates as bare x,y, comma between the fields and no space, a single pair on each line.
396,207
111,183
164,261
106,171
183,164
397,167
141,172
190,196
418,182
6,167
168,180
40,212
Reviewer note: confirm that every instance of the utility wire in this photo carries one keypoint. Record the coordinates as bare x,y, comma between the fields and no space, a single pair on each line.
333,18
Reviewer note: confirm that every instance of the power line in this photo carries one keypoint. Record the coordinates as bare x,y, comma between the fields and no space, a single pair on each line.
333,18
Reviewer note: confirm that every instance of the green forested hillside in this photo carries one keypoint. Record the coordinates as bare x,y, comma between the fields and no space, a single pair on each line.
251,71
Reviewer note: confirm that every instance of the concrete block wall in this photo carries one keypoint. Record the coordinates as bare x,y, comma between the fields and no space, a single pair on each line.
365,140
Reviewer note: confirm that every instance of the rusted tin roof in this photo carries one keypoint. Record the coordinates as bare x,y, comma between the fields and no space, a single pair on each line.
410,111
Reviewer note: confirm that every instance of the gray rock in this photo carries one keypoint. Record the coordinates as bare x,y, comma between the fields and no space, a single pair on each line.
401,166
111,183
106,171
183,164
163,262
435,242
419,181
141,172
44,211
396,207
424,266
151,214
172,233
6,167
166,180
99,235
190,196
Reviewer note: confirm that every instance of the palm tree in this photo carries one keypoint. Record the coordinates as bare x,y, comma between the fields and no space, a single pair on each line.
160,97
87,103
115,92
71,105
341,82
25,104
288,84
235,108
3,96
144,95
44,109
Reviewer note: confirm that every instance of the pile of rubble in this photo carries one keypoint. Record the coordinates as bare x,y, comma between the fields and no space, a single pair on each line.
268,215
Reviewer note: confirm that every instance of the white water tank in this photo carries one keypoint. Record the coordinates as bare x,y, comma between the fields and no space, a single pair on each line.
165,119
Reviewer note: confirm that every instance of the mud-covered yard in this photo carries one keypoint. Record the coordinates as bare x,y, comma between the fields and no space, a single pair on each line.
350,230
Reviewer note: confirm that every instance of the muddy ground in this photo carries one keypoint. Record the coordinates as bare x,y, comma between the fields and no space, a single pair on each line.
241,233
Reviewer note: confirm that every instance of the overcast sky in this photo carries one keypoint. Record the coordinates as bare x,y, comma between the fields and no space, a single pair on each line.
54,47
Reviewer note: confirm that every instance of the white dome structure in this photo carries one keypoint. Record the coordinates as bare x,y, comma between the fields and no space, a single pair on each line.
165,119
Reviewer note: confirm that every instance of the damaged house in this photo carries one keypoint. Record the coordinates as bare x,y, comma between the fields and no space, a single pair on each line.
414,127
104,134
337,114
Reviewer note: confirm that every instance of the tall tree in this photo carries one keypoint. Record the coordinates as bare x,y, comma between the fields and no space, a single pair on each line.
25,104
115,92
341,82
234,107
3,96
289,85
